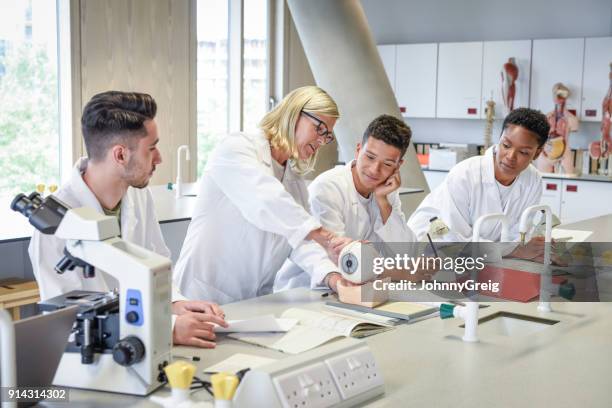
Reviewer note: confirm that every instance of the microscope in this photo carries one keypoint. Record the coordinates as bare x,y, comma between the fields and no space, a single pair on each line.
122,340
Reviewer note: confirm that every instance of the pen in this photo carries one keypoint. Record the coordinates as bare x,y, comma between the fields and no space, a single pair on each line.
432,245
189,358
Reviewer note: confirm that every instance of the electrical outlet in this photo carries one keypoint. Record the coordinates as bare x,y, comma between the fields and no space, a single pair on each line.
355,372
307,387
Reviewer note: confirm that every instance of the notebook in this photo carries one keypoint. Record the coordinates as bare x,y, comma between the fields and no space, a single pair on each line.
395,312
312,330
514,285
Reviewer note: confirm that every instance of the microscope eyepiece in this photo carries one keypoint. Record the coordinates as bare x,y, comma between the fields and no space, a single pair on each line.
45,214
22,204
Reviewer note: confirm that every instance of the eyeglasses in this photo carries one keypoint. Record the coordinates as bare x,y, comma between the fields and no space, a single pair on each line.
322,130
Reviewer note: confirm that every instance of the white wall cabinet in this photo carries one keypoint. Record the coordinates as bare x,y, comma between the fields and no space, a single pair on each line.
585,199
459,80
415,79
495,55
553,61
434,178
387,55
595,82
551,194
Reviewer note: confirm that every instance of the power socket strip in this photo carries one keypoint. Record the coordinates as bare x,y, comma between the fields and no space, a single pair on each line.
310,386
354,372
341,374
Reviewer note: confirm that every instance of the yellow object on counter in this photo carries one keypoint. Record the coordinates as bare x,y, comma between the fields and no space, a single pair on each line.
180,374
40,188
606,257
224,385
53,188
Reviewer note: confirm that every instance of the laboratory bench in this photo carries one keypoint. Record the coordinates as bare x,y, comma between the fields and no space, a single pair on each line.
168,209
426,364
174,215
571,198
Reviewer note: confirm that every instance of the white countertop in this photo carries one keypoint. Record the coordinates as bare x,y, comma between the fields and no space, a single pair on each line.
15,227
168,208
572,177
426,364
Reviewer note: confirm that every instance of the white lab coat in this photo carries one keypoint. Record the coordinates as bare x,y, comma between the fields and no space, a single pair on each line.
334,201
245,224
139,225
470,191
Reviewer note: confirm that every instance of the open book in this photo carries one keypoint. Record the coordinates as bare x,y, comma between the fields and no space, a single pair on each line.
313,329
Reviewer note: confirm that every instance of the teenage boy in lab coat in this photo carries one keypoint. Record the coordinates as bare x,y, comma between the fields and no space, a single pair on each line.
360,200
503,180
121,137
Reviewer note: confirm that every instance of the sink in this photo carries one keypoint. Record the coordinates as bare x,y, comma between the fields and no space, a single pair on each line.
512,324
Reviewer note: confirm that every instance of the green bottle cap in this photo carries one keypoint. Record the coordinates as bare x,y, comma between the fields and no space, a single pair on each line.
446,310
567,291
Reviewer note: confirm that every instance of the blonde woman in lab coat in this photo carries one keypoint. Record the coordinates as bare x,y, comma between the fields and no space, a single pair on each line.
251,212
503,180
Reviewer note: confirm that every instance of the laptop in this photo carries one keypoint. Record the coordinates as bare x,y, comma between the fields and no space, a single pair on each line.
40,342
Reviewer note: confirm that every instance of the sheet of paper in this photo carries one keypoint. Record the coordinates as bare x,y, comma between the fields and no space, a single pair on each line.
266,323
573,235
405,308
303,338
337,323
237,362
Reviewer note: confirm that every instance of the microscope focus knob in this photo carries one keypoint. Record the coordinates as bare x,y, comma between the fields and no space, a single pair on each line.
128,351
132,317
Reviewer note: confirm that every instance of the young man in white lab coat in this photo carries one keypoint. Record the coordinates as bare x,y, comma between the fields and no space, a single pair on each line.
360,200
121,138
503,180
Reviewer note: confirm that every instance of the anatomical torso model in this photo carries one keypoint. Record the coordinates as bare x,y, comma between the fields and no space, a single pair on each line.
603,148
561,122
509,76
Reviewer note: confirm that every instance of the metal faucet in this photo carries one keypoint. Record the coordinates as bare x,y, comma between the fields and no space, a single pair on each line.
545,278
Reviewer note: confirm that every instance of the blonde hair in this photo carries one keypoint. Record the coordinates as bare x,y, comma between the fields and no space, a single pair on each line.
279,124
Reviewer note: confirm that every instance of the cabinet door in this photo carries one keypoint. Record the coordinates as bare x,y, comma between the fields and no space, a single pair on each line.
556,61
434,178
585,199
415,79
495,55
595,82
551,195
459,80
387,55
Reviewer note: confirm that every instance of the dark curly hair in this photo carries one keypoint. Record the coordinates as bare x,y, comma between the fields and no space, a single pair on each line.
530,119
390,130
113,117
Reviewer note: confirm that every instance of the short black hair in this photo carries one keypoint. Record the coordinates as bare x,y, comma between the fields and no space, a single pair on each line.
530,119
114,116
390,130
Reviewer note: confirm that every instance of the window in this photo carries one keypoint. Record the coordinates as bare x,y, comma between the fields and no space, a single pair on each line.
217,75
212,75
29,107
255,60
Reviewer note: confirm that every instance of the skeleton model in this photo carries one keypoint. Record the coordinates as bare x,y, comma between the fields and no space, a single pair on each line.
601,149
562,122
489,124
509,76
